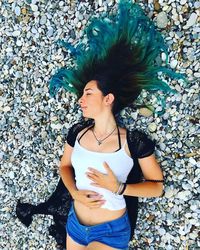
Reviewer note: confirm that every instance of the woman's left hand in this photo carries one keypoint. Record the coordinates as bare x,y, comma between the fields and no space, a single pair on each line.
107,181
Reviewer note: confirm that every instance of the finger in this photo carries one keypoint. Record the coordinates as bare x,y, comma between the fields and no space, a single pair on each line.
95,197
106,166
88,192
94,171
91,175
95,184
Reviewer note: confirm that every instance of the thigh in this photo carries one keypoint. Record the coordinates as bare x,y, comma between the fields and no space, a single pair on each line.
73,245
99,246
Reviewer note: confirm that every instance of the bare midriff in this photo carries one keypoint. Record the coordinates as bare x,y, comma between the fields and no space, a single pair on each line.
93,216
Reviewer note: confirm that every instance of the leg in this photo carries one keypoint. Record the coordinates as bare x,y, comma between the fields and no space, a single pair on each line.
73,245
99,246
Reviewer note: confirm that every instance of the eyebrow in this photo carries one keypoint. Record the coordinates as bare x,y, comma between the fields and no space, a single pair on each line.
88,89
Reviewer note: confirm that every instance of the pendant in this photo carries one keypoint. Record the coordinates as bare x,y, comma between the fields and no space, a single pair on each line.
99,143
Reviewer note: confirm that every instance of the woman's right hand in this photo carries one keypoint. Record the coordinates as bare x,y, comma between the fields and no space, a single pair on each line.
90,199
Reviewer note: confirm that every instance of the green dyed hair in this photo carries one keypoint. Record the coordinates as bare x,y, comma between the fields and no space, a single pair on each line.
120,55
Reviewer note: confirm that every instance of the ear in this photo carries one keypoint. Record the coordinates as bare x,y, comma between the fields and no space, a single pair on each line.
109,99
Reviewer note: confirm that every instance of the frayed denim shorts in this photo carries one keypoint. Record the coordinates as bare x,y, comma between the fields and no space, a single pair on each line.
115,233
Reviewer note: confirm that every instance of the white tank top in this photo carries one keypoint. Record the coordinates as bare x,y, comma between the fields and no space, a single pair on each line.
120,163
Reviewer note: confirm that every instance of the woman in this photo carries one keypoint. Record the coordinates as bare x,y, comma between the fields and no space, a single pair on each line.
106,167
98,214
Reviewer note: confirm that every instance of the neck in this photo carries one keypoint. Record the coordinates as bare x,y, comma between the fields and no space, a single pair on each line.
105,125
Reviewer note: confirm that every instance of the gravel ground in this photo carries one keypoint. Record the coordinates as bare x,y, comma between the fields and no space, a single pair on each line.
33,126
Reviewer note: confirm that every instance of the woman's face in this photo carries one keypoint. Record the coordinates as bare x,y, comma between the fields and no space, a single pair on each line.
92,102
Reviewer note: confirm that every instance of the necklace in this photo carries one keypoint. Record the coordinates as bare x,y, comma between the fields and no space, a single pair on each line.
99,141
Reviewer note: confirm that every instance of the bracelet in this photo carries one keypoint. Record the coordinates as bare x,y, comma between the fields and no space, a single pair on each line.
123,189
154,180
119,188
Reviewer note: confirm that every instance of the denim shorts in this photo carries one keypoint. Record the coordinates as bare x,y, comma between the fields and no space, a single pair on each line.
115,233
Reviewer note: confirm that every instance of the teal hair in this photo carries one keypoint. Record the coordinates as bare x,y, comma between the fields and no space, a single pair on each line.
121,55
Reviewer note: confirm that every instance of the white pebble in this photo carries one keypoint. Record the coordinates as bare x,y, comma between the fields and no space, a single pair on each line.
161,231
11,175
197,74
164,57
43,19
16,33
182,2
162,20
152,127
50,31
6,109
34,7
192,161
168,136
184,195
17,11
19,43
192,20
197,5
173,63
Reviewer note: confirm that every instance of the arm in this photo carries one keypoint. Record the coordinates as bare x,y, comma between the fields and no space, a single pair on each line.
151,171
87,197
66,171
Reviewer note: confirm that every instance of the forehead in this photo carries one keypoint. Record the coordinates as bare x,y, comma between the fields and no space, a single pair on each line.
91,85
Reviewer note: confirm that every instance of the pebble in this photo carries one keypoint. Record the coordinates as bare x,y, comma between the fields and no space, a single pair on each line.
191,21
145,112
182,2
17,11
152,127
173,64
43,19
162,20
34,126
34,7
16,33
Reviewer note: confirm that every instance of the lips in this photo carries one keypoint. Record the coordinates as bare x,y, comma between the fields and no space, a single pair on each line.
83,107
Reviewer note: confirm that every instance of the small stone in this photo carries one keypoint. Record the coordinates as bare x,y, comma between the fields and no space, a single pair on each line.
145,112
11,175
182,2
162,20
17,11
164,57
197,5
6,109
173,63
50,31
34,7
197,74
192,161
191,21
19,43
156,5
184,195
161,231
169,136
16,33
43,20
24,11
152,127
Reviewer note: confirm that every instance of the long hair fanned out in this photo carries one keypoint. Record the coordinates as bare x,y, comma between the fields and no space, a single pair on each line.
121,55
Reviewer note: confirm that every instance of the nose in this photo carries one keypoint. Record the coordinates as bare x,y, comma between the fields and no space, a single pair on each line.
80,100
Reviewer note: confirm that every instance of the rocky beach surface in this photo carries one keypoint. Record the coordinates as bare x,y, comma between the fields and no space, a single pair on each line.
34,125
